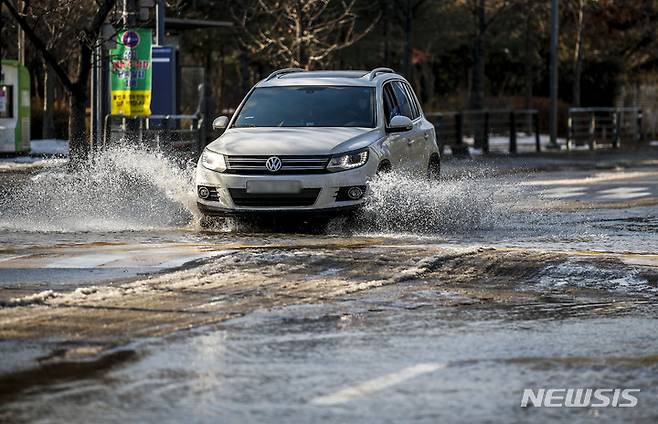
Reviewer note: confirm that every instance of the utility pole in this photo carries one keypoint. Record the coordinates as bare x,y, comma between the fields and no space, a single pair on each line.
100,83
130,13
97,88
21,36
160,6
2,26
554,75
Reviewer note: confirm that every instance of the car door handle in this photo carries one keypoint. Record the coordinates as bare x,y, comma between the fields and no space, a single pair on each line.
427,136
411,141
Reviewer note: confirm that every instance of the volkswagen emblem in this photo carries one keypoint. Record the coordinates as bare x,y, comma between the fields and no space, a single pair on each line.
273,164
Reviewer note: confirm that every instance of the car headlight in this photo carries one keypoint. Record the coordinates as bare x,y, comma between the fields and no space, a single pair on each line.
213,161
348,161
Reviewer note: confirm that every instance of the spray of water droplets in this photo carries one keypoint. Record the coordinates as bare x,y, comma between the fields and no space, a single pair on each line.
401,203
129,188
122,188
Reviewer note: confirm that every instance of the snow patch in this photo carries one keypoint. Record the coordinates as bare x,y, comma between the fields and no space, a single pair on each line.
27,163
33,299
50,147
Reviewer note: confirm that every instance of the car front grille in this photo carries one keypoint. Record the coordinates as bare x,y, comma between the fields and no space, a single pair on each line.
255,165
306,197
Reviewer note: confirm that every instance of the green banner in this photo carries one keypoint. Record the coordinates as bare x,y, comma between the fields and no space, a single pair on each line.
131,67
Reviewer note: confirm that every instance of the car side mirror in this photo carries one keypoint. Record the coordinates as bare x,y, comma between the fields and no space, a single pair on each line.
399,123
220,123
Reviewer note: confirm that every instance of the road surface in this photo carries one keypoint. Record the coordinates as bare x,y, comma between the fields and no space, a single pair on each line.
442,302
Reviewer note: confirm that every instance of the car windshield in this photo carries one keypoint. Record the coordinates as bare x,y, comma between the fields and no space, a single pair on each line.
322,106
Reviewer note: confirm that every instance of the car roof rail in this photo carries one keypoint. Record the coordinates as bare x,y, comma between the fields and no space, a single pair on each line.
283,72
372,74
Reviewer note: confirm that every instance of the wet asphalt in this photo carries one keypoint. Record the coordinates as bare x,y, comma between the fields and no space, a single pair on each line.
440,304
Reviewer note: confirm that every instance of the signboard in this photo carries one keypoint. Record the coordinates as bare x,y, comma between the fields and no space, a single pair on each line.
6,101
4,94
164,81
130,67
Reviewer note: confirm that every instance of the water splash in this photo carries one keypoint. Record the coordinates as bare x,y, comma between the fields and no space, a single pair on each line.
580,273
401,203
129,188
123,188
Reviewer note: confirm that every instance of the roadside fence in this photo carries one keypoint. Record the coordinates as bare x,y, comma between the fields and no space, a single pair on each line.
501,130
517,130
172,133
604,126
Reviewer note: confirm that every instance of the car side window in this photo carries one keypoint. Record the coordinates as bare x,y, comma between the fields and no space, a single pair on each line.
391,108
415,107
403,100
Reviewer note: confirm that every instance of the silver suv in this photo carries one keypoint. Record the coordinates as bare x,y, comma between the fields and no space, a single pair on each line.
307,142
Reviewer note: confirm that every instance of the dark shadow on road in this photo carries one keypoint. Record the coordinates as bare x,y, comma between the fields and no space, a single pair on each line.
12,385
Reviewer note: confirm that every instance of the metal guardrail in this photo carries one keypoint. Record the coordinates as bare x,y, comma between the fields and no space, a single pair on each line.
605,126
453,128
183,133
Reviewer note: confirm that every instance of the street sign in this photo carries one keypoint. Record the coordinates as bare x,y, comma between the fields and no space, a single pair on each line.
131,68
164,99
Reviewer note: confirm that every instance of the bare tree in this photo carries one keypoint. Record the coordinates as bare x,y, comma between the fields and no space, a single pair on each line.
485,13
578,52
2,36
300,33
409,9
528,49
385,8
54,28
84,18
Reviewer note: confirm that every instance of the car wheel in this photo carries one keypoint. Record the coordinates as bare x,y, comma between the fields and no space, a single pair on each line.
434,168
384,168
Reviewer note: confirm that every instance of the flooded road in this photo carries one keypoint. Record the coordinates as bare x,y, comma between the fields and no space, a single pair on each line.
439,303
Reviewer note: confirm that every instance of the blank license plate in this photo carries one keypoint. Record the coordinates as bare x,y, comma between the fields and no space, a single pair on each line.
254,187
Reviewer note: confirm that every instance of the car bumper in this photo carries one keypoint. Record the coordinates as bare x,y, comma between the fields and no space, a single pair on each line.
277,212
327,201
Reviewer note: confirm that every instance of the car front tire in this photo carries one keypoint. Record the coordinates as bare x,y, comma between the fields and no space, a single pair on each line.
434,168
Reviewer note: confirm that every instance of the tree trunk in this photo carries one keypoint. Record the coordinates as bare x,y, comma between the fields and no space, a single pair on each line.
578,54
244,72
386,18
222,74
78,143
48,125
300,30
476,101
528,56
477,91
2,37
408,40
78,90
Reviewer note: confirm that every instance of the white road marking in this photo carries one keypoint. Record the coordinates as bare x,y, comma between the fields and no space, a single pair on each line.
173,263
564,192
86,261
624,193
590,179
7,258
377,384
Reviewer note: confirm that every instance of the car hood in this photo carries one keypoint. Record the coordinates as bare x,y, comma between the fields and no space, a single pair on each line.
293,141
